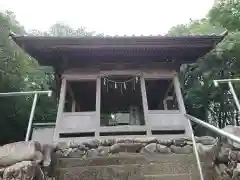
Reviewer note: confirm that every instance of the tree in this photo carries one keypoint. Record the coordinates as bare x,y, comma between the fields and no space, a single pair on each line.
197,27
226,13
60,29
202,99
19,72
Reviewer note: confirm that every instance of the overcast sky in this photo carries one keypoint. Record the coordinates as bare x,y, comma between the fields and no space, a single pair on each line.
108,16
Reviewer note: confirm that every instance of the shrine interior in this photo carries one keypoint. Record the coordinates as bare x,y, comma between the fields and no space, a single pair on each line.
121,101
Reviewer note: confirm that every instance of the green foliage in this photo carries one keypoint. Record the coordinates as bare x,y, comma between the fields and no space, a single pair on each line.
202,99
197,27
227,14
18,72
60,29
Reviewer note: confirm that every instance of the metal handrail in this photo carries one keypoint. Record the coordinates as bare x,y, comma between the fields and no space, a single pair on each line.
182,109
216,82
36,93
45,124
196,151
235,98
25,93
213,128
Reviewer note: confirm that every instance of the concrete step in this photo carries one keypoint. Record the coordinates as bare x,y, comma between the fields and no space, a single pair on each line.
209,172
169,177
121,175
126,158
124,171
132,166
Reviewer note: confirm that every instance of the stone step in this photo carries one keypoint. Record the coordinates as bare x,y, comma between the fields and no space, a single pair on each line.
175,170
132,170
129,172
169,177
127,158
122,175
209,173
131,166
124,172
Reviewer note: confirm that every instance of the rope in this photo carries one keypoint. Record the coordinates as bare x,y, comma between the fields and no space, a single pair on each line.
122,82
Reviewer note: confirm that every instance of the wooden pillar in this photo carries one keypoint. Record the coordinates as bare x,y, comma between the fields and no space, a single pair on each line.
60,108
178,92
98,105
186,122
145,105
73,105
69,89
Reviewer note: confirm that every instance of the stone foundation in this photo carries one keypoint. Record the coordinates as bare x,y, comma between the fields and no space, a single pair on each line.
126,154
108,147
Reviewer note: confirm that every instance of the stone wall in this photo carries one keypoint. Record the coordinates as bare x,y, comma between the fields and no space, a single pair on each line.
221,156
96,147
24,160
171,153
31,160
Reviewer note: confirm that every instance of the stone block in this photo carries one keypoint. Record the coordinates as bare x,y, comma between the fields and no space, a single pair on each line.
126,158
126,172
182,150
171,158
126,147
206,140
101,161
20,151
155,148
24,170
209,173
169,177
166,168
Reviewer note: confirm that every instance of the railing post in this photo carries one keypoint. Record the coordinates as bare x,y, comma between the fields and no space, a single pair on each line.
31,117
196,151
235,99
177,88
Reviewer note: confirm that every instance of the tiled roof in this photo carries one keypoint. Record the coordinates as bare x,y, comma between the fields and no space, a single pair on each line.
49,50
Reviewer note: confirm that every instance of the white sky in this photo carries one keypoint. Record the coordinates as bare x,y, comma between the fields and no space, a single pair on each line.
108,16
